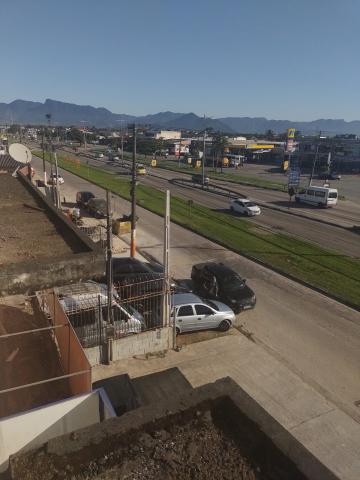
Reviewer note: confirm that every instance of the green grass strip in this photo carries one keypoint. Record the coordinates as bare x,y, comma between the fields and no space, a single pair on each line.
225,176
333,273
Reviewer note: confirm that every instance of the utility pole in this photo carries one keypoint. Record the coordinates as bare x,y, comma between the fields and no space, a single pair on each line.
203,162
57,186
43,154
109,273
133,198
166,258
315,159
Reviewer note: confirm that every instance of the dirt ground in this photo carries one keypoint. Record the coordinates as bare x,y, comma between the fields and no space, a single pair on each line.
27,230
196,450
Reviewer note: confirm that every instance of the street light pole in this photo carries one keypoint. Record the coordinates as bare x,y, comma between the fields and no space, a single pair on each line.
203,162
133,198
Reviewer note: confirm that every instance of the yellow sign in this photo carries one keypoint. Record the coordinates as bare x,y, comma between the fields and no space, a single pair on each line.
198,164
153,162
225,161
285,165
254,146
189,160
291,133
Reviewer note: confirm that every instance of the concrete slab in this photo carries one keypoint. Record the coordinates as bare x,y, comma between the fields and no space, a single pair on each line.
317,423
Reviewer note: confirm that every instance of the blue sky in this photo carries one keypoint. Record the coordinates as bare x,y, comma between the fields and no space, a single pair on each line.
296,60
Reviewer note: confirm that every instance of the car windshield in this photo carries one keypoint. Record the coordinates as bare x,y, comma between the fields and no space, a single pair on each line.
250,204
332,195
210,303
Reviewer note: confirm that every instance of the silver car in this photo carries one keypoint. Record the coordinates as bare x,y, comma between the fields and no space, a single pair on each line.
195,313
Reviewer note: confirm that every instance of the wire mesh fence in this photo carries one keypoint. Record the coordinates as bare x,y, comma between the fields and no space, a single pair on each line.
134,307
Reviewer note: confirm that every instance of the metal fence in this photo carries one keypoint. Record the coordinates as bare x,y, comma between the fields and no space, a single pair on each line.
135,306
57,367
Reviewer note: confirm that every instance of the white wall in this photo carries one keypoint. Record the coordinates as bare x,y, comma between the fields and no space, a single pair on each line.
31,429
146,342
142,343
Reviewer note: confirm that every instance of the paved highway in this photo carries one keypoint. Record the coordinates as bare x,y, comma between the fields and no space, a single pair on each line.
328,236
316,337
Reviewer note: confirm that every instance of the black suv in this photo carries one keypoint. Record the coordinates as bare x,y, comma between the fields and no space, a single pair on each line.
215,280
82,198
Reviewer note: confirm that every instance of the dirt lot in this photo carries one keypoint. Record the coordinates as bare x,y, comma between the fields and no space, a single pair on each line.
27,230
198,450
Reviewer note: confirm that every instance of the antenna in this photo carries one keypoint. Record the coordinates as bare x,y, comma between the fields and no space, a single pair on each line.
20,153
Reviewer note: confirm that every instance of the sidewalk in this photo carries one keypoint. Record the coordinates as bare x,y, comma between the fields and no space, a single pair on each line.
325,430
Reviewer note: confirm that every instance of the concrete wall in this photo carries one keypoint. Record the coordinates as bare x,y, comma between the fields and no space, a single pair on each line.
33,428
147,342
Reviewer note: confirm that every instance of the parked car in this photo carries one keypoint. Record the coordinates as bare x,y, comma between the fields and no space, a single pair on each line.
215,280
82,198
197,178
52,179
195,313
97,207
127,270
245,207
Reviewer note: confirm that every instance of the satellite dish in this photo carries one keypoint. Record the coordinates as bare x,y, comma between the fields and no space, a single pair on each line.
20,153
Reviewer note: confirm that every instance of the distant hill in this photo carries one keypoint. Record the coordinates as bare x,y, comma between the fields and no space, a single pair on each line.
27,112
261,125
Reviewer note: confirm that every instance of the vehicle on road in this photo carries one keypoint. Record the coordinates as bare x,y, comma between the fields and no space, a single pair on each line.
86,305
330,176
245,207
97,207
197,178
99,155
318,196
82,198
52,180
195,313
141,169
217,281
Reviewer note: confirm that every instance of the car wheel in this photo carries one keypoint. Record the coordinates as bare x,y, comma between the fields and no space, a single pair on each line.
224,326
231,208
177,331
297,200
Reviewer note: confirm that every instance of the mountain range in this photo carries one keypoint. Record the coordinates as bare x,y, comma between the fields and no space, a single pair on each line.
27,112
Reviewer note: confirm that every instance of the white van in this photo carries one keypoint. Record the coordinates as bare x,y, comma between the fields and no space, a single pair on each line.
320,196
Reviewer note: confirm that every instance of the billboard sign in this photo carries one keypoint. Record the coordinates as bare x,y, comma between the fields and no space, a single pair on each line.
290,139
294,178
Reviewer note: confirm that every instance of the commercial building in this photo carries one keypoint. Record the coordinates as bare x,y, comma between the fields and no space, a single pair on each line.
168,135
338,153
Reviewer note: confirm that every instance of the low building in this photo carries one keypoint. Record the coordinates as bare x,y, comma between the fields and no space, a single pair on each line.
168,135
340,154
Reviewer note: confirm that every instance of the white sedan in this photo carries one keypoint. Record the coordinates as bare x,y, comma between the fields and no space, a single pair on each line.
245,207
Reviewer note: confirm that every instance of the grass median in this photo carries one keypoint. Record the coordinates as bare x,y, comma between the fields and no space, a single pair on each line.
333,273
225,176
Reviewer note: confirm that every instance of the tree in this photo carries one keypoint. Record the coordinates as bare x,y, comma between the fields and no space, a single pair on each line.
219,144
